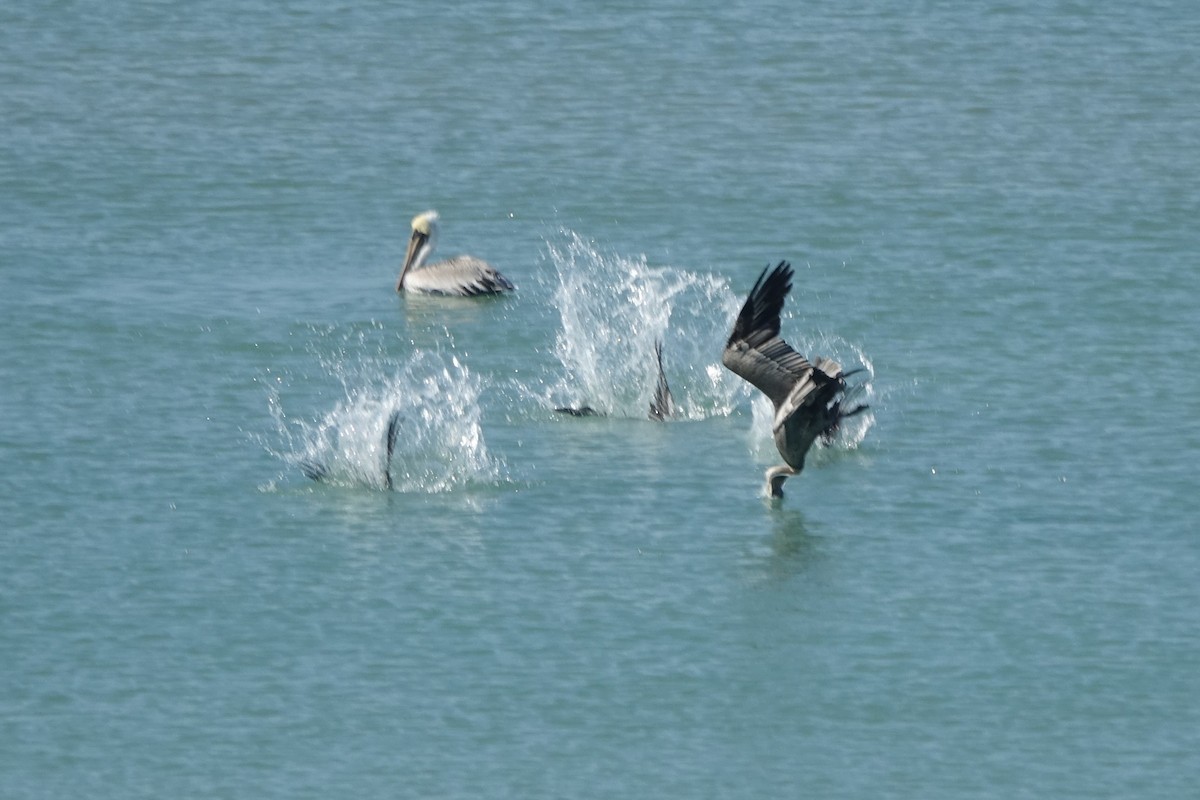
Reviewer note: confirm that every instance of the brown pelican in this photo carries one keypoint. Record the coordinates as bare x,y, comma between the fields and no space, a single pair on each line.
393,430
578,411
317,471
808,396
662,405
462,275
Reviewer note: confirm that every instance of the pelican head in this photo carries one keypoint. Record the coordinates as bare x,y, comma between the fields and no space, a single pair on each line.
775,477
425,222
424,239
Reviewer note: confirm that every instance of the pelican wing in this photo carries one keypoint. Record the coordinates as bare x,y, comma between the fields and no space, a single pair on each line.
465,276
393,430
661,405
755,351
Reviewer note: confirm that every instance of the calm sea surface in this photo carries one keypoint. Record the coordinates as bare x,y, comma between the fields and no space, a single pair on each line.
988,587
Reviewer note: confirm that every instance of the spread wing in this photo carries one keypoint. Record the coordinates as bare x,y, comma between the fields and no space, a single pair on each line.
755,351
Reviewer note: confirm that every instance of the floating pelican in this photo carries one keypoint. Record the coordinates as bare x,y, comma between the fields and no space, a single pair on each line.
808,396
462,275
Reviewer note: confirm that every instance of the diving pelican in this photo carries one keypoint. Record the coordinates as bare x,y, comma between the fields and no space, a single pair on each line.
808,396
393,430
662,405
317,471
462,275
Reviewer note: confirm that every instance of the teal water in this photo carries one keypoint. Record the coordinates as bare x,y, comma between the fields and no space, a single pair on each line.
987,588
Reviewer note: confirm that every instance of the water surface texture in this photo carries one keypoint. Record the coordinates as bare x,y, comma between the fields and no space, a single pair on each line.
986,587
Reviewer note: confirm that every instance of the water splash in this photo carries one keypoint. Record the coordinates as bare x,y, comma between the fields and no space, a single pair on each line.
439,444
614,308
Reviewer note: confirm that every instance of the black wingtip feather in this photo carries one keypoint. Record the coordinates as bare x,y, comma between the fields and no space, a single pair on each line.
758,320
660,404
393,430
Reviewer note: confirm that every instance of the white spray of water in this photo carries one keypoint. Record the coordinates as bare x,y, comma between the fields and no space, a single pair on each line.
439,444
614,308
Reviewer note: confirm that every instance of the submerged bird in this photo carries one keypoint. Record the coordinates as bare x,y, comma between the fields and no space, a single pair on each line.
393,430
464,276
662,405
313,469
808,396
317,471
578,411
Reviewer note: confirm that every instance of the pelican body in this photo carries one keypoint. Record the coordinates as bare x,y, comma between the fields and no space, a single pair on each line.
808,396
464,276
